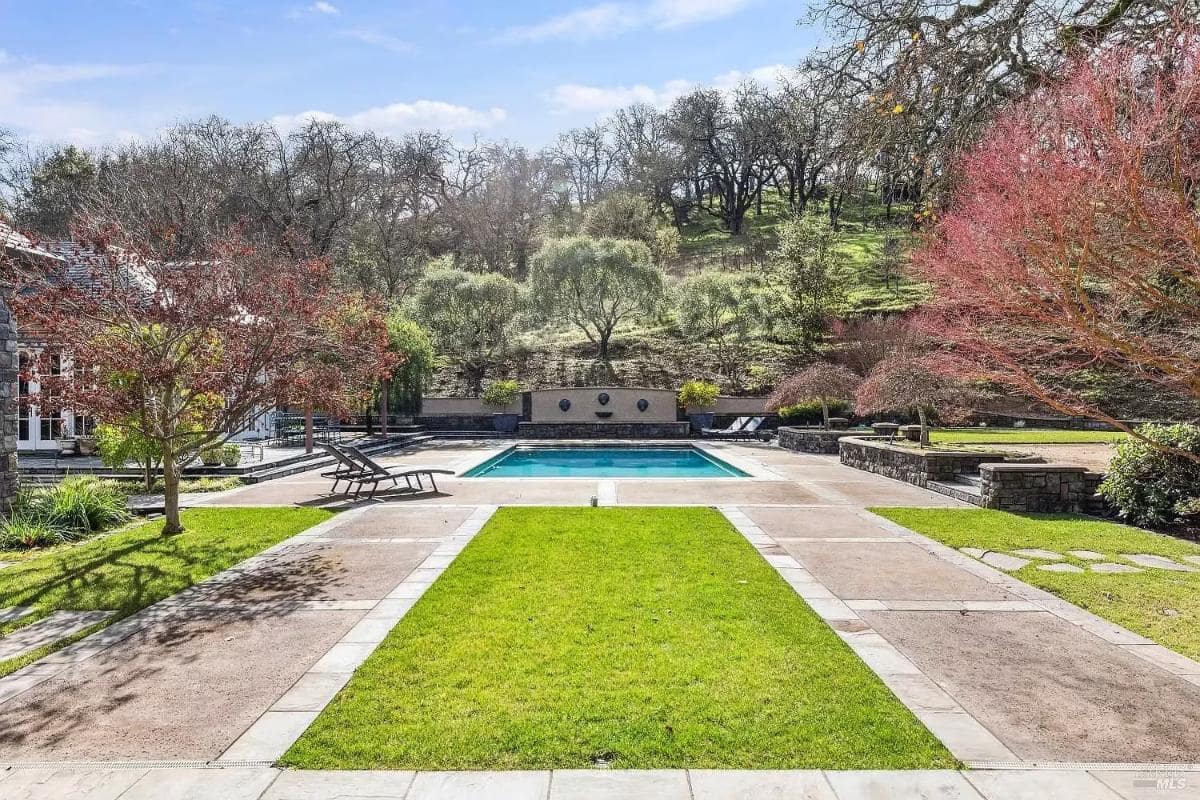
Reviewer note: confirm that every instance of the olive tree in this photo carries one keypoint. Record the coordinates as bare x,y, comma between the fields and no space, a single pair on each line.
720,309
595,284
470,318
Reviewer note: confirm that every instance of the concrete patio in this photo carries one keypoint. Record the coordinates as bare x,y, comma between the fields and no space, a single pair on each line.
199,694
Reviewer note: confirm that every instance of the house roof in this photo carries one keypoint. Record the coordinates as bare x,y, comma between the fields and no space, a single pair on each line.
18,244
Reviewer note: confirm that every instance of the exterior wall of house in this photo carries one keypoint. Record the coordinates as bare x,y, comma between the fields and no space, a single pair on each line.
8,411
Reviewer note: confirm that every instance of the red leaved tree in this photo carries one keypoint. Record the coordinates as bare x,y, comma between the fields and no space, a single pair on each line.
823,382
908,383
1071,251
183,353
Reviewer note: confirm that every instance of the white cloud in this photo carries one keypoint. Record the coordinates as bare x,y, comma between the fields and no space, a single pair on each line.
575,97
400,118
611,19
381,40
25,106
581,98
677,13
321,7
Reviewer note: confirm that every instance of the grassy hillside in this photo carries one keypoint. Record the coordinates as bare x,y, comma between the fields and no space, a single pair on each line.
653,353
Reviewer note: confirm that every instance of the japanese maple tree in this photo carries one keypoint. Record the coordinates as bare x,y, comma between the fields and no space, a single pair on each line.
823,382
910,383
183,353
1071,250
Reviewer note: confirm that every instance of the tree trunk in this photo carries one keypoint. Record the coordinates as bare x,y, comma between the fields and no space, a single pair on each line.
171,525
924,427
825,412
308,427
603,345
148,474
383,407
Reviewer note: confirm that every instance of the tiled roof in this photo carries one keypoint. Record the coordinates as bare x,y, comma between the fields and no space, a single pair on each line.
16,242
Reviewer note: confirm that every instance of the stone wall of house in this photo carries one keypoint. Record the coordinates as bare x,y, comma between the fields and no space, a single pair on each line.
8,409
812,440
1049,488
919,467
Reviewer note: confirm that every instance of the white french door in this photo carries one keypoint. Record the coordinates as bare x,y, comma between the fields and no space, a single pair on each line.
37,429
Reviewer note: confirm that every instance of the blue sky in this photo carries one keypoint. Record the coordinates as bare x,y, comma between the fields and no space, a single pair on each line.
101,71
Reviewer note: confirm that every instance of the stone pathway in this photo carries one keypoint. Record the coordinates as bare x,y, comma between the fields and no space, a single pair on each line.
1023,557
265,783
47,630
1000,671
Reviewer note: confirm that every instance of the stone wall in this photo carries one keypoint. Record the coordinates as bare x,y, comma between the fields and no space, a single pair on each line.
1048,488
8,410
604,430
919,467
812,440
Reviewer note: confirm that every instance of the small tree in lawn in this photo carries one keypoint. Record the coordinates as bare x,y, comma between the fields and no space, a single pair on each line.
179,353
823,382
1070,254
906,383
595,284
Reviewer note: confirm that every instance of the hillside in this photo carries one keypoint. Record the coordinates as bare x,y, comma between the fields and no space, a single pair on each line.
654,353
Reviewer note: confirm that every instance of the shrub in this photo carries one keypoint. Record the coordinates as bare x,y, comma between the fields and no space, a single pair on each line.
1150,486
698,394
211,456
231,455
810,413
79,506
24,531
500,393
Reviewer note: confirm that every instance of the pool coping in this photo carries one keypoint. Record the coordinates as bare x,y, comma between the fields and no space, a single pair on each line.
755,470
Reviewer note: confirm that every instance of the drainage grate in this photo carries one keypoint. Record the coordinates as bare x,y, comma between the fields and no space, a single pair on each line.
1077,765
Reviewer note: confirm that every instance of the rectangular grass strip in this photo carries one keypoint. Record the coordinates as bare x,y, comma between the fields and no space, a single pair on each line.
1159,604
633,637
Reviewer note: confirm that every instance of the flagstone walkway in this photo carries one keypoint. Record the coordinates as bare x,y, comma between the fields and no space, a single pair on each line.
197,695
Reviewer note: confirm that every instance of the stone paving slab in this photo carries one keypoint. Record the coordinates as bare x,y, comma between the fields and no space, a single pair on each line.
916,785
784,523
1113,568
1003,561
14,613
475,785
1040,785
651,784
307,785
880,491
48,630
1049,690
1039,553
717,784
884,571
402,521
715,492
184,687
327,571
44,784
1157,562
1061,567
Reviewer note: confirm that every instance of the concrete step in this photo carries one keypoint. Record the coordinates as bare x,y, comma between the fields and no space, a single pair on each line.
965,491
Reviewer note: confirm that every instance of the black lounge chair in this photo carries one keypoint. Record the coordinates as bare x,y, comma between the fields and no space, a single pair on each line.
347,470
734,427
374,473
749,429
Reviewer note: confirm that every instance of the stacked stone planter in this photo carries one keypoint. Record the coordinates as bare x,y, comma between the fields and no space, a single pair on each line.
8,411
919,467
1049,488
812,440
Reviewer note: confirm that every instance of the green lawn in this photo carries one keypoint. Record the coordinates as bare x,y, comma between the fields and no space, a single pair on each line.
132,568
1021,436
638,637
1161,605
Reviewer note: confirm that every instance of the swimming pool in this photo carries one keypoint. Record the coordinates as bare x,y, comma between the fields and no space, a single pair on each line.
526,461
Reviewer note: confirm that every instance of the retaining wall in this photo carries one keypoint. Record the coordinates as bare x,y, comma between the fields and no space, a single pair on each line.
1048,488
919,467
604,430
812,440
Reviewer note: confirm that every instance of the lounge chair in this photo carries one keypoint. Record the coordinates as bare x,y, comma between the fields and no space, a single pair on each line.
347,470
374,473
734,427
749,430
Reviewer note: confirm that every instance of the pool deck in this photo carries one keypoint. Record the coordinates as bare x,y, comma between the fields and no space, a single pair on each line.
197,696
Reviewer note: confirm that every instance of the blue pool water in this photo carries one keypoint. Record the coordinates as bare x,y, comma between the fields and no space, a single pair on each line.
604,462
